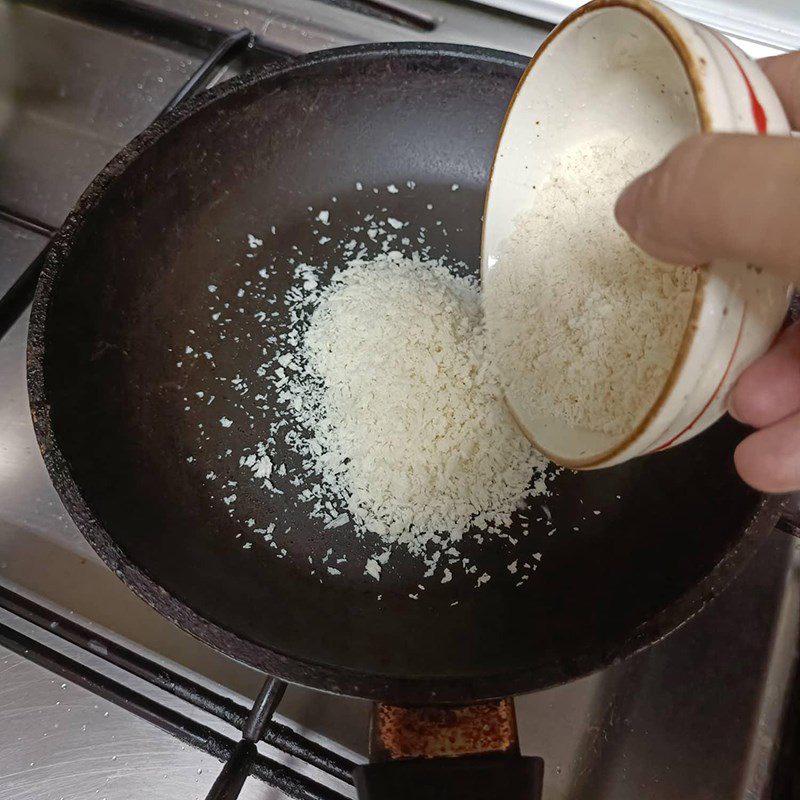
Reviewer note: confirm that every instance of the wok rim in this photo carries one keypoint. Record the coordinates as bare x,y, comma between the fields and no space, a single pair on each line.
330,678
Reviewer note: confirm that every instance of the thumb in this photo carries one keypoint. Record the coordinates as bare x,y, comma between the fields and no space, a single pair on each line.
720,196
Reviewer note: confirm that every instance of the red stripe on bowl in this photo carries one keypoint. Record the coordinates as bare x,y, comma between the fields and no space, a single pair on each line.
759,115
713,395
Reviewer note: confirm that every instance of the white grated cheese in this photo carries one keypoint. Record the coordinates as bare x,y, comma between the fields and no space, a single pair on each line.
337,522
403,423
381,385
373,568
262,468
586,325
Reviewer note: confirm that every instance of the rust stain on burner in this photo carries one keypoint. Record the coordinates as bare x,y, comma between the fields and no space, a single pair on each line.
430,732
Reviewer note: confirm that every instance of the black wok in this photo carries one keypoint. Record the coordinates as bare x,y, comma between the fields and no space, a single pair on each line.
128,276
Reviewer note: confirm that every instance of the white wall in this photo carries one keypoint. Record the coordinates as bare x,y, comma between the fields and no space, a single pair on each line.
775,23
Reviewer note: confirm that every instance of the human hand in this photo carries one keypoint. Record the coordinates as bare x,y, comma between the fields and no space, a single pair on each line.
738,196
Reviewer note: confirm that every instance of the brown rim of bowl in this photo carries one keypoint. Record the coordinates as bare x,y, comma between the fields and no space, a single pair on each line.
660,20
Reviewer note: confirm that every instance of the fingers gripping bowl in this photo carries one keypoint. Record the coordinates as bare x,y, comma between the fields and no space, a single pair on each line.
636,75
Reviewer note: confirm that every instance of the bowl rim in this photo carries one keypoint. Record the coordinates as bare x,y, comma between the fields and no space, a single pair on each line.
669,30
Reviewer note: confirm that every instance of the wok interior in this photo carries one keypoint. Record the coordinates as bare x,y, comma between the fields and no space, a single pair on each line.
136,278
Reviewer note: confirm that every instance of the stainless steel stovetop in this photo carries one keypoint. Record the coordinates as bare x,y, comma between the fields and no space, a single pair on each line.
696,716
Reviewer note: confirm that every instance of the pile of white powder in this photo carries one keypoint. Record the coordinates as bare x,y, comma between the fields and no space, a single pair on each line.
399,414
371,406
585,325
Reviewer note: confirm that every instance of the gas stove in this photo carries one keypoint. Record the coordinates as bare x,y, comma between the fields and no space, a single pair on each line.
100,696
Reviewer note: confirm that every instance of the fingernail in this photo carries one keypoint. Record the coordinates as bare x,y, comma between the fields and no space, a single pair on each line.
627,208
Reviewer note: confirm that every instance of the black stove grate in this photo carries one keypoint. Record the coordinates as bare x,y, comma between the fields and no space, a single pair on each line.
224,50
280,736
292,783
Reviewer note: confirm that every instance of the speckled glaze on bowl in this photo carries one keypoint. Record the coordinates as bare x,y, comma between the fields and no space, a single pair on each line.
634,66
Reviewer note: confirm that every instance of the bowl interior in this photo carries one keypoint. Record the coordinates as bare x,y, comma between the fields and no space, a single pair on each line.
612,71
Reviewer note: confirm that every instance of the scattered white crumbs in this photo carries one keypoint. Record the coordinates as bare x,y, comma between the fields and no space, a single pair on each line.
262,467
430,460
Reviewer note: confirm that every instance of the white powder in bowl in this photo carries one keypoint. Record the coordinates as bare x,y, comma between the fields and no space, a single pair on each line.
585,325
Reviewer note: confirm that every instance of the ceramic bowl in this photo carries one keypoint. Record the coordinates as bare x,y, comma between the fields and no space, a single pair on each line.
635,67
